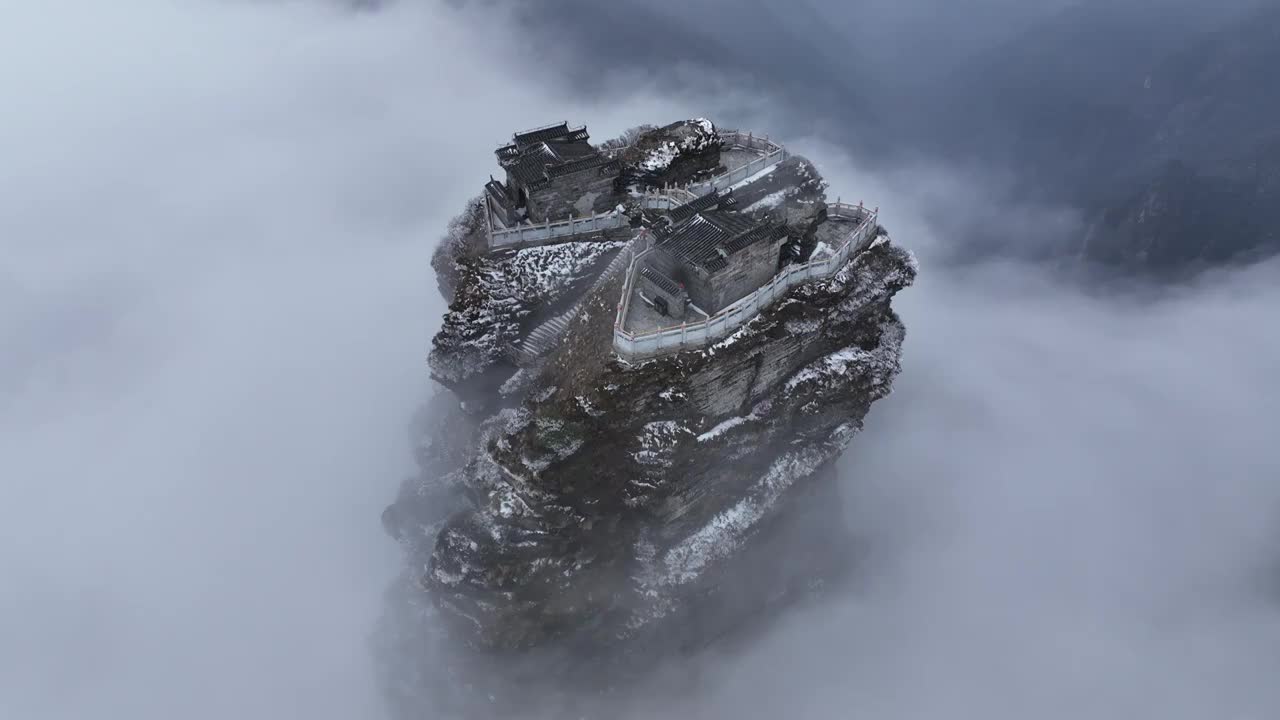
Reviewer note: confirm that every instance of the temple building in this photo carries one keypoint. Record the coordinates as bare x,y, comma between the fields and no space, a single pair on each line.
707,255
552,173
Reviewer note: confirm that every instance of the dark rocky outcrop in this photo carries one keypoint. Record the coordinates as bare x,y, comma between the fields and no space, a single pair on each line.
612,495
675,154
579,518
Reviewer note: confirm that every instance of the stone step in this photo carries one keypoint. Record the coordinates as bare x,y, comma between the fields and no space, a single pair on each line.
546,336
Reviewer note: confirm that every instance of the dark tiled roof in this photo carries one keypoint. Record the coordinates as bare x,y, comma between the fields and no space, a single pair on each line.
529,167
565,151
707,238
578,165
521,142
534,164
552,133
498,193
543,134
658,278
754,235
713,201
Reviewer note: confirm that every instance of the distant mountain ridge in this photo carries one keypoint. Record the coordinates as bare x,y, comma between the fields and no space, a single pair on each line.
1153,119
1208,169
1159,125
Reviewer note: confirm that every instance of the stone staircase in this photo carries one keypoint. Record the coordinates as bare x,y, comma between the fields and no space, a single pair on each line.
544,338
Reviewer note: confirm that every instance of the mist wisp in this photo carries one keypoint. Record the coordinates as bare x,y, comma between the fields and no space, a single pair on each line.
215,303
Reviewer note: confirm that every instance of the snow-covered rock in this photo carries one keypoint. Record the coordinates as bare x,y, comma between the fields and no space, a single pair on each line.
496,295
677,154
694,451
616,508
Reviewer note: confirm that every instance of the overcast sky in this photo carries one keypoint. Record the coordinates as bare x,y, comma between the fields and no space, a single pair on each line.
216,220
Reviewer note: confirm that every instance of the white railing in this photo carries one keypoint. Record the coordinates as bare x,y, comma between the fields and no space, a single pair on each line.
638,249
500,238
527,235
773,153
687,335
740,173
665,199
748,141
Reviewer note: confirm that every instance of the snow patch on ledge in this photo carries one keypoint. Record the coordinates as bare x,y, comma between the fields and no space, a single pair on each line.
720,538
770,201
879,364
726,426
660,158
692,136
753,178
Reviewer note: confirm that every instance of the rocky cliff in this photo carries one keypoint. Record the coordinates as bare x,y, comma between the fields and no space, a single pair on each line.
598,513
1157,125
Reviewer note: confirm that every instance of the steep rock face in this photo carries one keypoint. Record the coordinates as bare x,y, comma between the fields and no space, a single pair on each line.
1207,170
464,239
498,296
606,502
1186,220
1157,125
674,154
575,515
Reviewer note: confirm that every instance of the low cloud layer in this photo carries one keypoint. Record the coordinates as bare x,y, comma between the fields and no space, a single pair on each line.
215,307
1070,510
217,221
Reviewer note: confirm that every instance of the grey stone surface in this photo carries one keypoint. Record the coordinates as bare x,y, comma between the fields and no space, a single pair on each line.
583,516
563,196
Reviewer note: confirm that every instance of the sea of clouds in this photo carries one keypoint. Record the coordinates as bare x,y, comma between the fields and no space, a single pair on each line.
216,220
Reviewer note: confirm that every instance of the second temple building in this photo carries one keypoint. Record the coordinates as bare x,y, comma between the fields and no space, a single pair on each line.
552,173
707,256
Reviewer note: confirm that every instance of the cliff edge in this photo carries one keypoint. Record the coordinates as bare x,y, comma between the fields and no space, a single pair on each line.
582,502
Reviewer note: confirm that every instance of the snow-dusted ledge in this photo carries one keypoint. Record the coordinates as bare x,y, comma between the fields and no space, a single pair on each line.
631,346
771,155
528,235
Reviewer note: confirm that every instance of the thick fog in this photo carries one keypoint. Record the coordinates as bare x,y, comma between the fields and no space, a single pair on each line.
1069,506
216,220
216,298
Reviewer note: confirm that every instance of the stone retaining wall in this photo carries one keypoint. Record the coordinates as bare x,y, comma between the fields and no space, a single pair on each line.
631,346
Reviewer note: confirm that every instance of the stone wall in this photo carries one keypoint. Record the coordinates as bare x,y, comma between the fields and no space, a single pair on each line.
748,269
675,302
694,281
666,264
863,233
502,208
576,194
